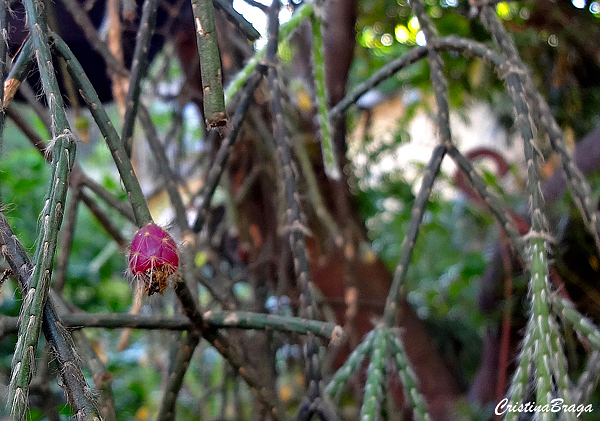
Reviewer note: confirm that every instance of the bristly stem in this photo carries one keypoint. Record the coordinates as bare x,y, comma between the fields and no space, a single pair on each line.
496,207
408,378
139,67
295,223
14,254
101,376
87,91
63,155
539,287
517,391
549,358
332,168
588,380
79,395
374,387
576,182
560,366
341,376
210,63
438,80
77,391
591,374
581,323
408,244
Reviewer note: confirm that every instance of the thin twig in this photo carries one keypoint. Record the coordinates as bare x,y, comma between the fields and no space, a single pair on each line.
122,207
223,345
237,19
438,80
262,7
314,195
164,168
218,166
120,157
104,220
378,77
76,172
86,25
185,351
139,67
500,211
18,72
66,241
213,319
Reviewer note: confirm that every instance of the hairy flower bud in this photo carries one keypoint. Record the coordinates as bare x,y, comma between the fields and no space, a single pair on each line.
153,258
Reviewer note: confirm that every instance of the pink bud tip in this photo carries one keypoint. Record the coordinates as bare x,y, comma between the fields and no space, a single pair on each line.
153,257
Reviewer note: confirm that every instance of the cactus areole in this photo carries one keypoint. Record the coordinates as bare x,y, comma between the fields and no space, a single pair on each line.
153,258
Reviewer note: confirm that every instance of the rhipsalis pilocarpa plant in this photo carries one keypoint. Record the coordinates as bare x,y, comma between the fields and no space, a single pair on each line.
63,155
261,212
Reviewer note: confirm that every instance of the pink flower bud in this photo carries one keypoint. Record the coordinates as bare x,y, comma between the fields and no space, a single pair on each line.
153,258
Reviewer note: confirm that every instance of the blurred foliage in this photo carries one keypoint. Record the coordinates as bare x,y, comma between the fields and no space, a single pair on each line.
387,29
450,253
